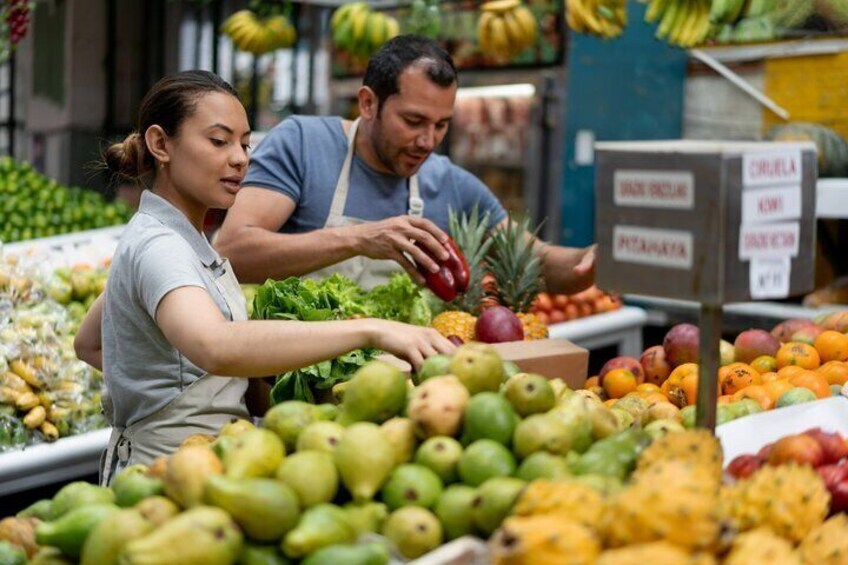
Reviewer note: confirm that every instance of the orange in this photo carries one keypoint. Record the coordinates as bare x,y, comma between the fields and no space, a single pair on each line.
737,377
764,364
813,381
647,387
619,382
834,372
776,388
757,393
771,377
832,346
796,353
789,371
591,381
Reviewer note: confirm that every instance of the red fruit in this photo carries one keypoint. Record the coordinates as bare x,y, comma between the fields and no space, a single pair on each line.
452,277
497,325
832,475
765,451
751,344
655,365
455,339
457,265
744,466
628,363
441,283
832,445
800,448
839,497
543,302
557,316
681,344
807,334
784,330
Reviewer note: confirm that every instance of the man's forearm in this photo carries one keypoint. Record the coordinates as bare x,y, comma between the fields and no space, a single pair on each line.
258,254
558,269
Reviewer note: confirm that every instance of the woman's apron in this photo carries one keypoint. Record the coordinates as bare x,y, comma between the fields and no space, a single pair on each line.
367,272
203,407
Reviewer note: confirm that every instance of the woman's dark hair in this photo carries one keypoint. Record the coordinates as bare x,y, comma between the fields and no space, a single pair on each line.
167,104
387,64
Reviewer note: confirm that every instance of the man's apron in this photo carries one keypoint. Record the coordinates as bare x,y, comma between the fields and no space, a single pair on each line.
368,273
203,407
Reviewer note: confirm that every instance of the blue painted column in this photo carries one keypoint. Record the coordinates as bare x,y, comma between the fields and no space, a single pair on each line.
620,89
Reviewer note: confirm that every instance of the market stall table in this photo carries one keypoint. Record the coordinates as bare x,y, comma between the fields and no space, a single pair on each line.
42,464
621,328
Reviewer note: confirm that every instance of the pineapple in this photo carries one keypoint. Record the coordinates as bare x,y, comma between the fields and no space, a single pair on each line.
544,540
660,552
827,544
516,267
762,546
577,501
454,322
790,499
698,446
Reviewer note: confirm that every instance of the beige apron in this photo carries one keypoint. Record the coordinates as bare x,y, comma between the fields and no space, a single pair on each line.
368,273
203,407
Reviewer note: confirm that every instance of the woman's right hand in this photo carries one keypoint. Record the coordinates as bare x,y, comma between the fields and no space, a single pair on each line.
412,343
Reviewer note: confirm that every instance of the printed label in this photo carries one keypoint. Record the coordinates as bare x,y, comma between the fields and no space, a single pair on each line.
649,246
654,189
771,204
769,277
772,167
770,240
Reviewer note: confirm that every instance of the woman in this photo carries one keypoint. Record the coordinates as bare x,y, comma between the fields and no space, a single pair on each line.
171,329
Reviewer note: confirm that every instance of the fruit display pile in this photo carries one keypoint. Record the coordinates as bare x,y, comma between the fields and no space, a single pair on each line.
258,35
506,28
33,206
798,361
557,308
359,30
45,391
546,474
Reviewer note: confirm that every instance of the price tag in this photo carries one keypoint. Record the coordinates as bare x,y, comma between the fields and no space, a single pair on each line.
769,277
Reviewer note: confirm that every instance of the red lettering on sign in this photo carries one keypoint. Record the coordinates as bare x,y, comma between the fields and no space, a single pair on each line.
771,204
653,247
775,167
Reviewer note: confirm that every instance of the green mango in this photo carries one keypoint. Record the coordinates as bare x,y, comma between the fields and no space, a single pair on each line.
132,485
265,509
77,494
108,538
320,526
373,553
69,532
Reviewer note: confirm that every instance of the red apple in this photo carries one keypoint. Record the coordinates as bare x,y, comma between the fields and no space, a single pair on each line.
832,445
801,449
681,344
744,466
497,325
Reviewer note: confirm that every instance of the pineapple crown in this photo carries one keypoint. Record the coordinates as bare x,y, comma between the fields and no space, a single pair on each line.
515,263
470,231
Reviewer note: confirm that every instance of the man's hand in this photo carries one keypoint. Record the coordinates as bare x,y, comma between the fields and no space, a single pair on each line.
586,266
394,237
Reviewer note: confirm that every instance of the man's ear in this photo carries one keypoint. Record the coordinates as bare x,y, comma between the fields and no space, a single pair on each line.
157,141
369,105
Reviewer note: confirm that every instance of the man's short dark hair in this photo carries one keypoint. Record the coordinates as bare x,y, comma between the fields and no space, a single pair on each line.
387,64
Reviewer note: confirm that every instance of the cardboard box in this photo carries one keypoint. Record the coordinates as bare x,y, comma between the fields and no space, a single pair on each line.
551,358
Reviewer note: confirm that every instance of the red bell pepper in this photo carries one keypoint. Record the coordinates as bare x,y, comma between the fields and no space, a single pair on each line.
452,277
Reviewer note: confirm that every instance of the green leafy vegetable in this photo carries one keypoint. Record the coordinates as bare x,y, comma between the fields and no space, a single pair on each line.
396,299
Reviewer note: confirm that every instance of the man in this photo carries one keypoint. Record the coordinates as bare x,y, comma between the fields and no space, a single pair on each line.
325,195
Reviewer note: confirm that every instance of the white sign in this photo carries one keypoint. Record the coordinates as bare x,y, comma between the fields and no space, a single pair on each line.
770,240
769,277
649,246
771,204
654,189
770,168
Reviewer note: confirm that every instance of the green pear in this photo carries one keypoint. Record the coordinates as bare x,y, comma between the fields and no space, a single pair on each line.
133,485
494,502
375,393
413,531
441,455
478,366
255,453
530,394
366,517
372,553
41,509
540,432
50,556
364,459
78,494
542,465
433,366
401,435
454,510
236,428
489,415
186,473
320,526
411,485
261,555
69,532
288,418
203,534
320,436
108,538
312,475
157,509
264,509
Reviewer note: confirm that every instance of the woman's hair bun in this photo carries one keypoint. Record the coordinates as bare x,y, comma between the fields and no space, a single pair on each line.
127,158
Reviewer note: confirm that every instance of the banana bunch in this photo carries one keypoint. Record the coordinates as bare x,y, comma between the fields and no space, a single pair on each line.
684,23
506,28
604,18
727,11
258,36
359,30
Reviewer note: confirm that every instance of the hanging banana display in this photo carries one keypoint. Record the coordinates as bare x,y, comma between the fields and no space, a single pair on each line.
259,36
506,28
359,30
604,18
684,23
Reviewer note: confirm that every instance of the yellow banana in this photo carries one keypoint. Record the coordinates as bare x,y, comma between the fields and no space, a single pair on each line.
514,32
586,13
376,29
684,23
500,6
484,35
358,22
499,37
392,27
344,11
704,24
234,20
668,19
573,20
656,10
528,21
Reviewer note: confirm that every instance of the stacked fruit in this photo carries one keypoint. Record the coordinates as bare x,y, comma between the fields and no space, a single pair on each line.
798,361
604,18
256,35
359,30
685,23
506,28
16,15
33,206
556,308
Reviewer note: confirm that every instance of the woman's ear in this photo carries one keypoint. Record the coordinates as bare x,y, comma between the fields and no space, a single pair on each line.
368,103
157,143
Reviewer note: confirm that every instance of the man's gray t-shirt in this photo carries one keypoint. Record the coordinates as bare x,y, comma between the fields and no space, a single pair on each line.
302,156
158,252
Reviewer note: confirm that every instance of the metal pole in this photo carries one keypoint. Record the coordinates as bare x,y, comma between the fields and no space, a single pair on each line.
11,124
216,9
254,93
710,325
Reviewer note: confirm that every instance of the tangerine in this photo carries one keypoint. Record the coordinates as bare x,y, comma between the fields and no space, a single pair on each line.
764,364
619,382
834,372
647,387
770,377
813,381
778,387
789,371
800,354
738,376
832,346
591,381
757,393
